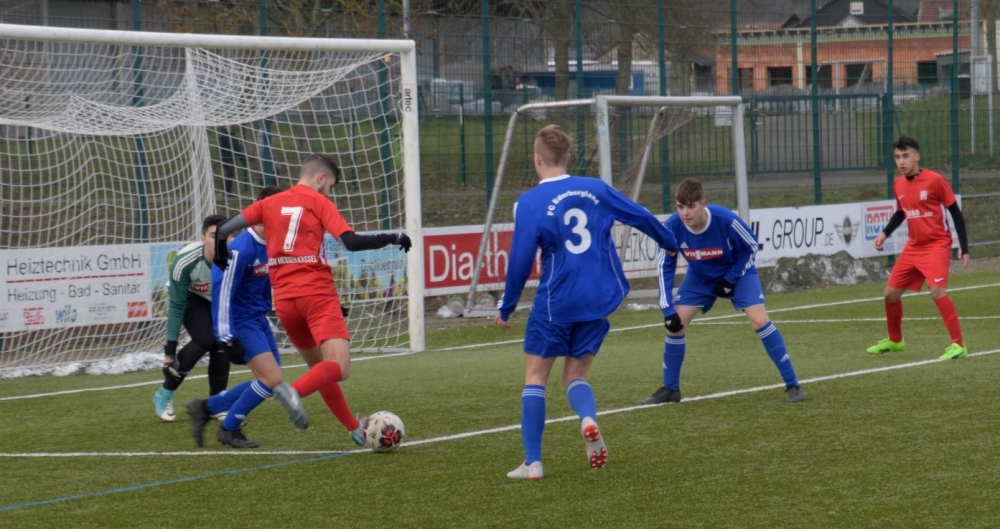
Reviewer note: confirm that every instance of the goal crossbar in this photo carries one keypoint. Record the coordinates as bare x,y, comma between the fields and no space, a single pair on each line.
197,40
739,154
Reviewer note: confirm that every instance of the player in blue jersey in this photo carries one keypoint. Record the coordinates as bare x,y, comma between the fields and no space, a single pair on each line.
720,250
241,299
570,219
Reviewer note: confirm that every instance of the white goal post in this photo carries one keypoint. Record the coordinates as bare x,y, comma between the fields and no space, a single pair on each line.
114,145
622,159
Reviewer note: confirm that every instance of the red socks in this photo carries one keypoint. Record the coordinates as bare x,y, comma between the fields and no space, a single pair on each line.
323,377
950,317
333,396
894,320
318,376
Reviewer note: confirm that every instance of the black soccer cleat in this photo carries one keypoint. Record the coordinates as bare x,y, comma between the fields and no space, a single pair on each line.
795,394
662,396
234,438
198,411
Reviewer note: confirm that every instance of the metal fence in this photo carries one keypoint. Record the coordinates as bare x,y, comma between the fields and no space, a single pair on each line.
828,84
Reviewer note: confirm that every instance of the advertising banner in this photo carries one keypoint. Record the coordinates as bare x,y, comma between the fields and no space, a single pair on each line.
450,258
48,288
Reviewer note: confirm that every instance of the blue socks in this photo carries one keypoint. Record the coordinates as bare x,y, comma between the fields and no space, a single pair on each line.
245,404
673,358
221,402
774,343
532,422
581,398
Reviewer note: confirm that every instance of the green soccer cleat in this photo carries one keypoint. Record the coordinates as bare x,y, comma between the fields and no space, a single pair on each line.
954,351
358,434
886,345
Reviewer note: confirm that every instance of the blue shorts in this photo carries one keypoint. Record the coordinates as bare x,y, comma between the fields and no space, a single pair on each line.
256,336
548,339
694,292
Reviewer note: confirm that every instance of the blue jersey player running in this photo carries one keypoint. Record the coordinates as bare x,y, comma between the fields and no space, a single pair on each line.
720,250
241,299
570,218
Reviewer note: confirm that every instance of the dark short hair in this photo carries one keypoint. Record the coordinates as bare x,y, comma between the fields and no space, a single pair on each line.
211,220
319,162
268,191
689,192
906,142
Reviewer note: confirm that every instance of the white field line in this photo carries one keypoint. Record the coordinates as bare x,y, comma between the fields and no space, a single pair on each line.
510,427
508,342
853,320
705,320
477,433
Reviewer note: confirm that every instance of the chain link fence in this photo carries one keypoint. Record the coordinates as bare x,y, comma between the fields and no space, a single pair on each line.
828,85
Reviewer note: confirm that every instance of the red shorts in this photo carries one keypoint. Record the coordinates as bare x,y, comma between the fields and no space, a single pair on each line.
915,265
311,320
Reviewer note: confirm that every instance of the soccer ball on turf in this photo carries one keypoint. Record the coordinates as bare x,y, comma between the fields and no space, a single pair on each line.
383,431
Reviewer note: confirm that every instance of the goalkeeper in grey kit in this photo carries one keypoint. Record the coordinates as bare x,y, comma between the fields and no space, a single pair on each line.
190,291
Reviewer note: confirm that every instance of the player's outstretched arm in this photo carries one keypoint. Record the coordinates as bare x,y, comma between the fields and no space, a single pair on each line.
640,218
357,243
222,234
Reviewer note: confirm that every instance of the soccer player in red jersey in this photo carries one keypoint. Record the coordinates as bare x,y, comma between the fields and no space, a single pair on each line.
305,297
922,197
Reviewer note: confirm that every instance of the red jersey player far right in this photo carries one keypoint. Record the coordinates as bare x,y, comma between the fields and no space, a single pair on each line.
305,297
922,196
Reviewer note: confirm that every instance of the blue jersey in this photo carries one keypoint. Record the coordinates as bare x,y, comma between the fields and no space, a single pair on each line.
725,249
570,219
243,291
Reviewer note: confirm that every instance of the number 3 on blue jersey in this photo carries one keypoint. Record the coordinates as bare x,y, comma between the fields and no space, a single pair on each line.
580,229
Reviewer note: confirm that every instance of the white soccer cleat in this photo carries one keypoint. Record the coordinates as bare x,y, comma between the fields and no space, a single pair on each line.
221,416
597,452
163,403
289,399
533,472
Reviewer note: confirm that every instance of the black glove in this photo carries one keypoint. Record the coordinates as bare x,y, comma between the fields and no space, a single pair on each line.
673,323
404,242
171,367
234,351
221,258
724,289
345,311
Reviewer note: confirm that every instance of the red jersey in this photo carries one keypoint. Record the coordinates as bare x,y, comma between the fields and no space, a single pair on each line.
925,200
294,222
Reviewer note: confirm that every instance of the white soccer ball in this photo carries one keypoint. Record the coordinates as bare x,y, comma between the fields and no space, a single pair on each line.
384,431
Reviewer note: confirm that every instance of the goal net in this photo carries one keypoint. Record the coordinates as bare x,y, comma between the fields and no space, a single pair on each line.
115,145
618,138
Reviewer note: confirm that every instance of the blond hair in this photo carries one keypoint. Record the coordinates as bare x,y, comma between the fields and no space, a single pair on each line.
553,145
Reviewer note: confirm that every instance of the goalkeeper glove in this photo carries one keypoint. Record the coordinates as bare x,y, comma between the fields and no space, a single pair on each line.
403,240
673,323
724,289
171,367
